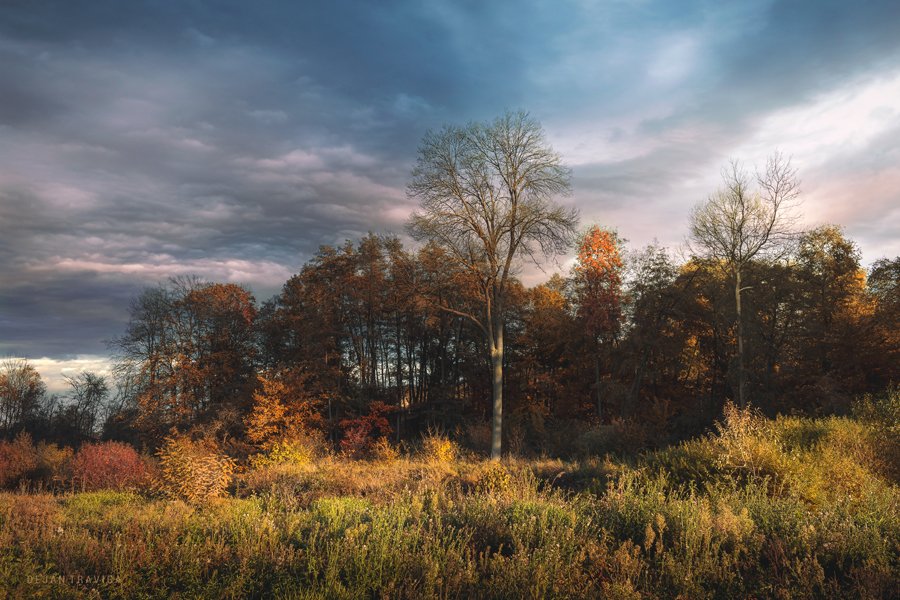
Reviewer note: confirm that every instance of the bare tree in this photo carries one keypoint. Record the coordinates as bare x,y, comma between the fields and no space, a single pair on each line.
740,223
89,394
486,192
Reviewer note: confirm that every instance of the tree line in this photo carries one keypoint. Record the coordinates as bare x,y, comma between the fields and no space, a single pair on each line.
375,339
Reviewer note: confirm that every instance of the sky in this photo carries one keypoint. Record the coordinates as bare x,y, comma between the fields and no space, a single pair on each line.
145,139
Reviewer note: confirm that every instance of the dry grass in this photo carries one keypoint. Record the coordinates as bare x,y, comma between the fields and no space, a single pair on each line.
790,508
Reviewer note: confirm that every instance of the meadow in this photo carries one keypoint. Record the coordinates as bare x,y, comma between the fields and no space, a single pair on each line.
791,507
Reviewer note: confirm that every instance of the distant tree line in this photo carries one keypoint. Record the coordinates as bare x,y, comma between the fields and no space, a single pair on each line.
629,335
373,339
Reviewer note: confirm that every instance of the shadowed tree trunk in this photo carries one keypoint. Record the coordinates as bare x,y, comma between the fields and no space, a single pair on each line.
486,194
737,225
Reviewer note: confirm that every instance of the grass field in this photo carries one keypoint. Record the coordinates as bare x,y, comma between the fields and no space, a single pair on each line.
786,508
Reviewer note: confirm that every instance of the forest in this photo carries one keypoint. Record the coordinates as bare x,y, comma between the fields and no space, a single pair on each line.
415,421
630,347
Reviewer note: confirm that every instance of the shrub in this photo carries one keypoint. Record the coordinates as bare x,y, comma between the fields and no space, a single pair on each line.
619,437
882,414
194,471
437,447
18,458
363,431
495,479
383,450
747,446
110,465
285,452
693,461
54,463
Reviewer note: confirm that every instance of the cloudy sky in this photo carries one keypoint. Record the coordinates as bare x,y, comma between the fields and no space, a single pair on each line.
144,139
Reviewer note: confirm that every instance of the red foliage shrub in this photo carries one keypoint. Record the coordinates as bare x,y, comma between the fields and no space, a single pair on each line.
362,432
17,459
110,465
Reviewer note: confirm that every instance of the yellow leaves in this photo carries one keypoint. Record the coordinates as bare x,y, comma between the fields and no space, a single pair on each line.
280,409
439,448
284,452
194,471
545,297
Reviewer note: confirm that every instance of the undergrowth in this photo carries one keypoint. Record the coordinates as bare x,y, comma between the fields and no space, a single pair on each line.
784,508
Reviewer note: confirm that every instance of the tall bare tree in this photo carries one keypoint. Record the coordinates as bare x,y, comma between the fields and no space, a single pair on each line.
89,392
742,222
486,192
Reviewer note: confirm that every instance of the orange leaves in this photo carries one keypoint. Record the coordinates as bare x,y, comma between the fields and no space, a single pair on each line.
598,282
281,409
598,253
221,302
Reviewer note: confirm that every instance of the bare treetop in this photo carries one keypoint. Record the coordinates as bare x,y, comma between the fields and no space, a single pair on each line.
486,194
738,223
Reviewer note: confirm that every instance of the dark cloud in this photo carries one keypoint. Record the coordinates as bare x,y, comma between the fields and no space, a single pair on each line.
230,139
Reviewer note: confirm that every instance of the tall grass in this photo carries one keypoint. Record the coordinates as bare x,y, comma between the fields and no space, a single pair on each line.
785,508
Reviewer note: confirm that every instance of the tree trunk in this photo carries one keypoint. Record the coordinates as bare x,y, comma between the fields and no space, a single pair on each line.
742,399
638,380
497,388
597,386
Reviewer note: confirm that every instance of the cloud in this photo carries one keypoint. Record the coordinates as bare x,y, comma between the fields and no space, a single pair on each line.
53,371
230,141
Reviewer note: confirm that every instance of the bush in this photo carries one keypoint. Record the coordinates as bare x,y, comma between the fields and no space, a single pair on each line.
619,437
54,463
882,414
18,458
384,451
285,452
437,447
362,432
194,471
110,465
748,448
495,479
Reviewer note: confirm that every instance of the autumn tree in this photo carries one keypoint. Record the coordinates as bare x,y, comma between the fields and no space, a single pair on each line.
835,313
701,326
828,267
486,196
188,354
21,391
884,286
140,357
742,222
545,345
597,278
773,323
282,410
216,351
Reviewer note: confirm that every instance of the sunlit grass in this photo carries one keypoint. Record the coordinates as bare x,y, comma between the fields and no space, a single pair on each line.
785,508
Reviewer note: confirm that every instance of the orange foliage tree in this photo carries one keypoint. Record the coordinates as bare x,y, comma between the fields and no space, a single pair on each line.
597,281
189,354
283,409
